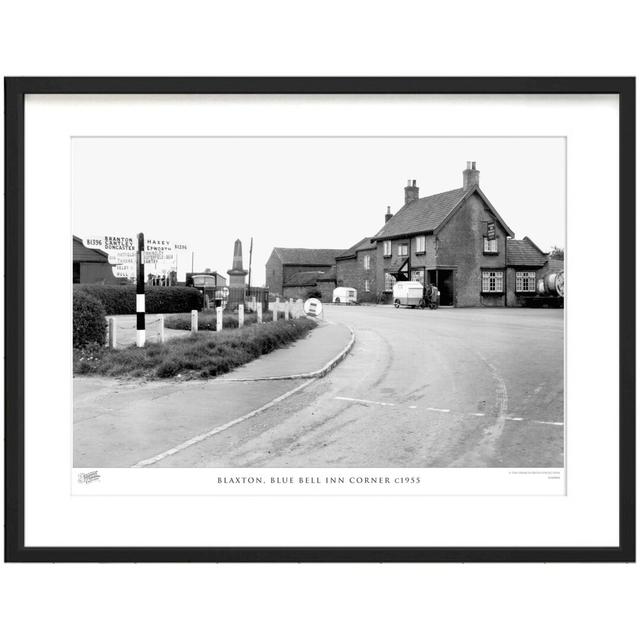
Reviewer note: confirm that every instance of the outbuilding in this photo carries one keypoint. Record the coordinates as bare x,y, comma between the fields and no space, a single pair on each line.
91,266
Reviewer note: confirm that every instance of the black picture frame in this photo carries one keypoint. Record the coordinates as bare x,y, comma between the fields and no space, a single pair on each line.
15,91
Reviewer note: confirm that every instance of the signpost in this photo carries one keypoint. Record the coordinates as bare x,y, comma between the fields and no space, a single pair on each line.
122,253
140,328
128,255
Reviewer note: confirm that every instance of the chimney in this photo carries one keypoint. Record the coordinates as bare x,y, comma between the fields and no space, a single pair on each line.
388,215
470,176
410,192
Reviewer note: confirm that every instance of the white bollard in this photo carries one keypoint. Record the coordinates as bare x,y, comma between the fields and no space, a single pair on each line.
112,333
194,321
161,320
259,312
286,310
218,318
240,315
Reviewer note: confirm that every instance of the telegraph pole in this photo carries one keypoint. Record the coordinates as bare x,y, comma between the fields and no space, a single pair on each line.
250,255
140,329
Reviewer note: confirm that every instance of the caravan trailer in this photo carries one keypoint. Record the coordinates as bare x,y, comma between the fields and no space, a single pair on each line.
408,293
347,295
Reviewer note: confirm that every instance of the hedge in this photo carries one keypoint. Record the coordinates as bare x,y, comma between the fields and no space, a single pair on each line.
89,322
121,299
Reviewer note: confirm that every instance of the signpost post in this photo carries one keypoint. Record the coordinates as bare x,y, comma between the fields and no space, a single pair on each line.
140,328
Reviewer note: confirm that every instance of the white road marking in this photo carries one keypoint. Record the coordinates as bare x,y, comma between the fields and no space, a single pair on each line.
489,430
224,427
384,404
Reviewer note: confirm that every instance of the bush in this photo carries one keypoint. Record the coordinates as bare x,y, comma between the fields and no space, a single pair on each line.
201,355
121,299
89,322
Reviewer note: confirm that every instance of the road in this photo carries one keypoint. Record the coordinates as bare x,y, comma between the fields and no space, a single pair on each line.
445,388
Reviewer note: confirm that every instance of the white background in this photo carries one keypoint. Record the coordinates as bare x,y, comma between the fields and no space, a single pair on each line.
473,38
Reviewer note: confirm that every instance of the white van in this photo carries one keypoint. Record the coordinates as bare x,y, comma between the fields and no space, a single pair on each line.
409,293
347,295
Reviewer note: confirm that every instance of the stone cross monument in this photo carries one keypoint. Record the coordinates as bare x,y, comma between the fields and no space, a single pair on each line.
237,274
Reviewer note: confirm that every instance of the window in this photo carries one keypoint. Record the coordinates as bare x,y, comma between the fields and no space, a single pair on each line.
492,282
418,275
490,246
389,281
367,287
421,244
403,249
525,281
386,247
367,262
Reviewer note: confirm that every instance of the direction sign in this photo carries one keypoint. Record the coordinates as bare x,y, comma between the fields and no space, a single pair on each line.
313,307
122,253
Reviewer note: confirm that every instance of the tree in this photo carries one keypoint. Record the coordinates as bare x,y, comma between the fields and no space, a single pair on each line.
557,252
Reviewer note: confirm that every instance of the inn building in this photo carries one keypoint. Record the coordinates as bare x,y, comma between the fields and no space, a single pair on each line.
456,240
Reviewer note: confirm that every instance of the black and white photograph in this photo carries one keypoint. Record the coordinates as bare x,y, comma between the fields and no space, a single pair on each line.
372,303
307,327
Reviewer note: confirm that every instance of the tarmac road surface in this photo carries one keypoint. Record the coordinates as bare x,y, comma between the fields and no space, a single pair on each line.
420,388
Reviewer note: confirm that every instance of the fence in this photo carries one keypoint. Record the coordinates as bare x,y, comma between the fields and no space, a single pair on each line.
121,332
120,335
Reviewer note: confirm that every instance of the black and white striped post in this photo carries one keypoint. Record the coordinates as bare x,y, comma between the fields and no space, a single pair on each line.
140,328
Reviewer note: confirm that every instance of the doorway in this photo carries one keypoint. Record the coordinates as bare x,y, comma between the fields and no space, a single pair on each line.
443,279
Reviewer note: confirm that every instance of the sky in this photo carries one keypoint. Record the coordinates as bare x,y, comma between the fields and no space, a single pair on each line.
327,192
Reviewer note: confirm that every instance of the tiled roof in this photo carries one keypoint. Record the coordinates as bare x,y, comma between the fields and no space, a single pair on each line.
422,215
365,243
311,257
303,279
395,264
524,253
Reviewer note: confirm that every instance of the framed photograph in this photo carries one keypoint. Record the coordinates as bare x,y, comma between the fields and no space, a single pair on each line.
320,319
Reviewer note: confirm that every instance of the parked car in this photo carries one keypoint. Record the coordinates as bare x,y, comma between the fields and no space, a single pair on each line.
347,295
408,293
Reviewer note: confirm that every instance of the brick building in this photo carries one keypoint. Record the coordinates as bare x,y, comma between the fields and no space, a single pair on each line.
455,240
356,267
284,263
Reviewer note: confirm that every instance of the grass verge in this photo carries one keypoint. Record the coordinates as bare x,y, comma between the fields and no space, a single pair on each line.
207,320
201,355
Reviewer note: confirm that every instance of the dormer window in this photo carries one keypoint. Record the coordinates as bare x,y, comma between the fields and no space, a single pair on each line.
490,246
